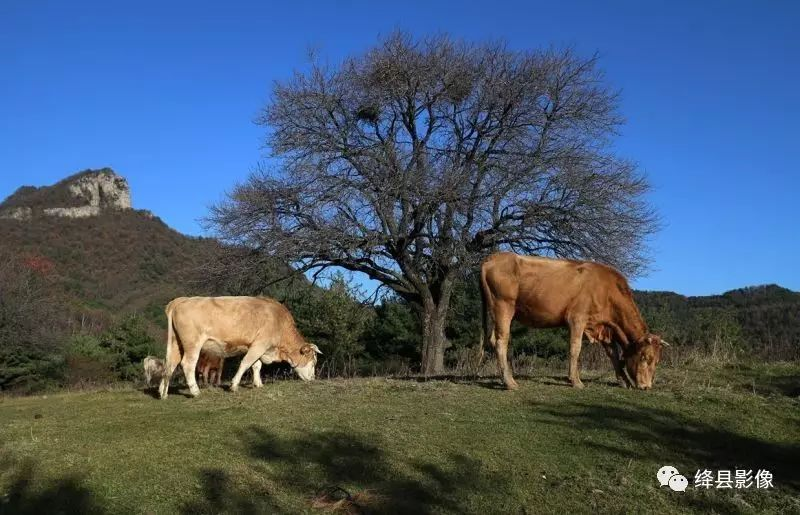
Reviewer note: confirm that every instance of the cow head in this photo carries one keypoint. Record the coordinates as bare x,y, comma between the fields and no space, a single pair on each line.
642,360
304,360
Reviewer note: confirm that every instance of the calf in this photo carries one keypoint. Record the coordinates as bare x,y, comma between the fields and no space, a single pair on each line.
209,366
153,370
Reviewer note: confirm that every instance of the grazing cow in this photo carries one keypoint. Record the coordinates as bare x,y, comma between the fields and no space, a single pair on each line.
258,327
210,368
590,298
153,369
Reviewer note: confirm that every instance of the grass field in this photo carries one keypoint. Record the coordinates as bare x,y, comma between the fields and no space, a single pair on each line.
456,446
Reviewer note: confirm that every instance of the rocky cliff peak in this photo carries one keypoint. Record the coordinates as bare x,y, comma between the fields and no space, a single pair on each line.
84,194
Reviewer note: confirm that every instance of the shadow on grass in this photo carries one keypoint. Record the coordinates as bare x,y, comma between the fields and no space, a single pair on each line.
315,463
788,385
770,382
152,391
220,495
29,494
496,383
687,443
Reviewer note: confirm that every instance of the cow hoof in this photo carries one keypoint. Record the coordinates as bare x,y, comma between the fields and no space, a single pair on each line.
578,385
258,385
512,386
194,392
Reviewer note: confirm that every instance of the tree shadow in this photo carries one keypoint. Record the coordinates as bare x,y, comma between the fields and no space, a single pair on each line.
220,495
687,443
29,494
314,463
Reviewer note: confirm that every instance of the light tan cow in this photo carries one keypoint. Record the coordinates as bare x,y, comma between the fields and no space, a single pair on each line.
258,327
592,299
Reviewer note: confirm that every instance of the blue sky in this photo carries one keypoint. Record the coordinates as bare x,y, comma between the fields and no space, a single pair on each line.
165,93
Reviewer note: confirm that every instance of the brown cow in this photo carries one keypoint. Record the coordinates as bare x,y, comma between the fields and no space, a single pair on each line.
209,366
258,327
590,298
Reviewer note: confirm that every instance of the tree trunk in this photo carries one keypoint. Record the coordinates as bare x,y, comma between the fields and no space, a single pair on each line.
434,343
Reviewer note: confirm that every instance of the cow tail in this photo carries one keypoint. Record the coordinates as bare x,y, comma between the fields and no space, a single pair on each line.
173,354
487,322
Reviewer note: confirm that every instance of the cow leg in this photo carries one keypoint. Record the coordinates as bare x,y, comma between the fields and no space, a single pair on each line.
205,372
622,377
252,355
219,372
212,377
576,328
502,332
257,374
171,362
189,364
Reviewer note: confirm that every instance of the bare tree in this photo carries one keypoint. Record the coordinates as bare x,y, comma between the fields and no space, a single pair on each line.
413,161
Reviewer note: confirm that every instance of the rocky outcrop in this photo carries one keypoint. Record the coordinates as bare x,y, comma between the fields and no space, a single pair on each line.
104,189
82,195
17,213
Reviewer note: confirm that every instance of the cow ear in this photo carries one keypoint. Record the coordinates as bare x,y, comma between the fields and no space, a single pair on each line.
310,348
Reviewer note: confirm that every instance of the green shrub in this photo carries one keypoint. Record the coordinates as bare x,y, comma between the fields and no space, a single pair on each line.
128,343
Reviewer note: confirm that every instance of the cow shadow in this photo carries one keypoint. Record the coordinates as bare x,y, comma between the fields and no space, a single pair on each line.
28,493
352,473
685,442
496,383
491,383
152,391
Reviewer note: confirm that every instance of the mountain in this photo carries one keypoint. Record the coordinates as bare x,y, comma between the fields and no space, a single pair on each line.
97,250
84,278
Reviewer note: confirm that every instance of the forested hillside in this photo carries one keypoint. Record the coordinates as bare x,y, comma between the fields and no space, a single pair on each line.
764,320
66,282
